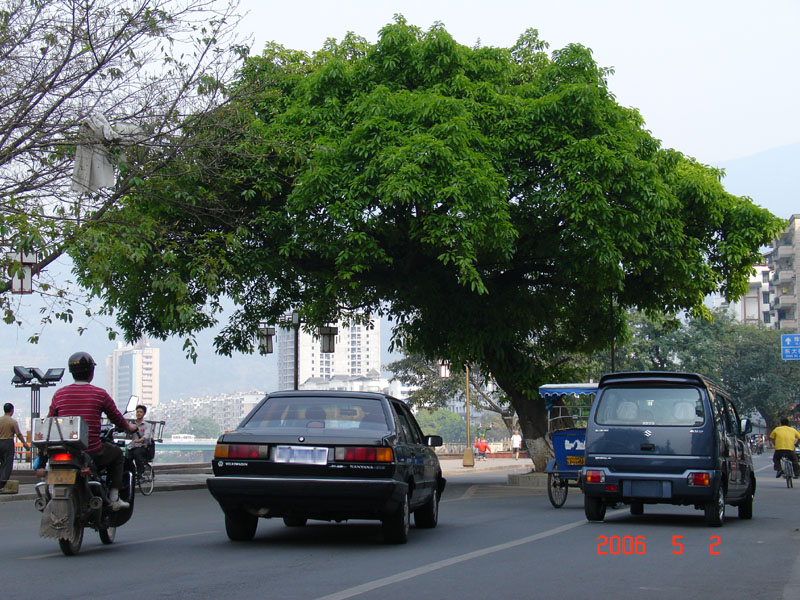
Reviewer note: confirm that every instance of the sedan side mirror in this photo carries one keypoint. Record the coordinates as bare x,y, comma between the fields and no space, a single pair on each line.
433,440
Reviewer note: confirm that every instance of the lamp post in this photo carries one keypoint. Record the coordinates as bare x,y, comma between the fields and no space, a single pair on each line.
468,459
33,378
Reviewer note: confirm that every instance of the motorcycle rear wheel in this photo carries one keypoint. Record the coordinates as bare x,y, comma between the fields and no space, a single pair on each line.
107,535
72,547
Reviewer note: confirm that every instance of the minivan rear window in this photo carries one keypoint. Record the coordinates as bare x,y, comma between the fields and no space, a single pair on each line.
667,406
319,415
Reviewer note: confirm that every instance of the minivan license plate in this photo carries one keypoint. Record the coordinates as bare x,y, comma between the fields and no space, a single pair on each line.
303,455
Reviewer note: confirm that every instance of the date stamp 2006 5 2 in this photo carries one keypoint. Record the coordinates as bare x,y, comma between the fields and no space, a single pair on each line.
626,545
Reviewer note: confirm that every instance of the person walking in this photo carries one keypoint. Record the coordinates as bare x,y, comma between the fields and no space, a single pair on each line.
516,444
8,429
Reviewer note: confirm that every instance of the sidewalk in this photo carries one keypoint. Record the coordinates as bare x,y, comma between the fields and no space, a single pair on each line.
192,477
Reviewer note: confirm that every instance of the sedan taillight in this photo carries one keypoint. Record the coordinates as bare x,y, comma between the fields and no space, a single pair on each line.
363,454
240,451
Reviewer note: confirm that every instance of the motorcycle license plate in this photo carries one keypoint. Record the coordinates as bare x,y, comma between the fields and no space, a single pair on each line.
61,477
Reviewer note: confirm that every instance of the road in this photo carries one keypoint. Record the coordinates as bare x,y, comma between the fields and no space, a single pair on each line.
492,541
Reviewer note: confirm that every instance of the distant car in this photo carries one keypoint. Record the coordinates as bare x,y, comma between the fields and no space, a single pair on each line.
329,456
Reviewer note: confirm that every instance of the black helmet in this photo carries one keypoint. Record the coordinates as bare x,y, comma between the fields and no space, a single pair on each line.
81,365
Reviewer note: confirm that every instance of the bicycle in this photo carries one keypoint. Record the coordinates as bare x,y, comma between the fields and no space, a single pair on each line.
146,480
787,468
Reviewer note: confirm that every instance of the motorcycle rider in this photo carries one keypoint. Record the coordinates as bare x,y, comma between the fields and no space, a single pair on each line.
82,399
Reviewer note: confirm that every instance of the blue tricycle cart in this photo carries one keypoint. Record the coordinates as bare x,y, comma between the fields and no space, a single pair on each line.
566,430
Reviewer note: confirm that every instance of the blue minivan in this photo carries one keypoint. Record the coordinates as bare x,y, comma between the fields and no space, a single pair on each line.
666,438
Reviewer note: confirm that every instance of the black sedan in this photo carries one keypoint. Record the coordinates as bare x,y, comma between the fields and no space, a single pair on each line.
329,456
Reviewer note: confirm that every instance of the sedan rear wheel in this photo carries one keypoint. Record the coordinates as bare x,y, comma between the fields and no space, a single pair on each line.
427,516
395,528
295,521
240,526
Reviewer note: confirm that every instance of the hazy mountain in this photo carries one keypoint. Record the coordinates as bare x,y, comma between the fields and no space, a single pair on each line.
771,179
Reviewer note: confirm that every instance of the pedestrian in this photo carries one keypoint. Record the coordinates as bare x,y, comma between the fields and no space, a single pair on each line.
8,429
516,444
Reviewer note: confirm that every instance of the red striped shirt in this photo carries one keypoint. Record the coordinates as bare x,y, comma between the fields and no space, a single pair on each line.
88,402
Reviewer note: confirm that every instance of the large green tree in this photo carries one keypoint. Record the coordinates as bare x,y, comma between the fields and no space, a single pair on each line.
498,203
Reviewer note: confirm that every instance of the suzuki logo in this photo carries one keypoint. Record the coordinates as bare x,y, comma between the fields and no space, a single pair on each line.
647,433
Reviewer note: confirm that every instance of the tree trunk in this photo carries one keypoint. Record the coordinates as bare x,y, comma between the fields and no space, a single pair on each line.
532,422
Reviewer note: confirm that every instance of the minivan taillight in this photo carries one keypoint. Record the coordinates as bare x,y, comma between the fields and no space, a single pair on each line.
593,476
702,479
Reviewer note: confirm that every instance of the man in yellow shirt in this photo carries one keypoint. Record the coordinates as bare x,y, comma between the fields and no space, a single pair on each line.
784,437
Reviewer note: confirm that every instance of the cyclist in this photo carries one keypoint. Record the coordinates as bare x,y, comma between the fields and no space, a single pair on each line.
784,437
140,443
82,399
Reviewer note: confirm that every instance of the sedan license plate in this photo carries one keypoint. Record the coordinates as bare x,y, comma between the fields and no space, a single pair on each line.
303,455
61,477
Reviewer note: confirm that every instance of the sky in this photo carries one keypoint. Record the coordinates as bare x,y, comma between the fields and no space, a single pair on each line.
717,80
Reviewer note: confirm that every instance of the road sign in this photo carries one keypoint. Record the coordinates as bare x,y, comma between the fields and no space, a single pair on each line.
790,346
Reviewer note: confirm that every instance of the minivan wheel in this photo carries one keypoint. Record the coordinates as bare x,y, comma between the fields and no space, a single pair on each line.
746,505
594,508
715,508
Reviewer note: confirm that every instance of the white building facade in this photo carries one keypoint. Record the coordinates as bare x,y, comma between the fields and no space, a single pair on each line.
357,353
784,262
754,307
133,370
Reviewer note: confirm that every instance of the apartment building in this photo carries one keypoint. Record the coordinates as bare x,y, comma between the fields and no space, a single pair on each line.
357,353
784,260
754,307
133,370
226,409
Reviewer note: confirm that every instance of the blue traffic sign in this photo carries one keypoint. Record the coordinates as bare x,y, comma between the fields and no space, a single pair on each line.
790,346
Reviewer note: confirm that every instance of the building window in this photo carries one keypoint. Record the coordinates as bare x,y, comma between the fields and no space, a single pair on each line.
766,317
765,297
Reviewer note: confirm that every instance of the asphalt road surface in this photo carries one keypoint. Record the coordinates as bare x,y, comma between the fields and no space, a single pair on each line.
493,542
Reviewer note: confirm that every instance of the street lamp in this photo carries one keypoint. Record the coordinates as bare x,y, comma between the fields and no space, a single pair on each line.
33,378
266,332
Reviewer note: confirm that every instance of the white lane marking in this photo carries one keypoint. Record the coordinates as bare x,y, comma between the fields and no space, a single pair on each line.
136,543
448,562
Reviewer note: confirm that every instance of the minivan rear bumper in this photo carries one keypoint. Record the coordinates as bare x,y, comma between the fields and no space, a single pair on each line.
650,488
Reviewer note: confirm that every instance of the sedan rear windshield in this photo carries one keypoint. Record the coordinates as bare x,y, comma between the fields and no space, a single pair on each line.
672,406
320,415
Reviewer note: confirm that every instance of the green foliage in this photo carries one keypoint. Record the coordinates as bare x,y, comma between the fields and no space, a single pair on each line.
202,427
498,203
442,422
745,359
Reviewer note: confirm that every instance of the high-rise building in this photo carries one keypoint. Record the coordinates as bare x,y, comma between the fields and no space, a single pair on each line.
784,262
133,370
754,307
357,352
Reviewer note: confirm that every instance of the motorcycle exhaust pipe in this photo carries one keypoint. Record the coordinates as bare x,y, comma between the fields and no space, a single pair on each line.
39,504
95,503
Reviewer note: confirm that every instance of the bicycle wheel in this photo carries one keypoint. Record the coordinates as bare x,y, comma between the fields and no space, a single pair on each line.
556,490
788,471
147,479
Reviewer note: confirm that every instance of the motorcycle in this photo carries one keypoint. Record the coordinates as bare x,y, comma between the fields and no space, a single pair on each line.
74,495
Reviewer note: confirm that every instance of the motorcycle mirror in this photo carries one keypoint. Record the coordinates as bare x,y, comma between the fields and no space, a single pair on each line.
132,402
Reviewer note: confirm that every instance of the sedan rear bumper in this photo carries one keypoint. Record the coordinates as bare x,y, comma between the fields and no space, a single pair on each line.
314,498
